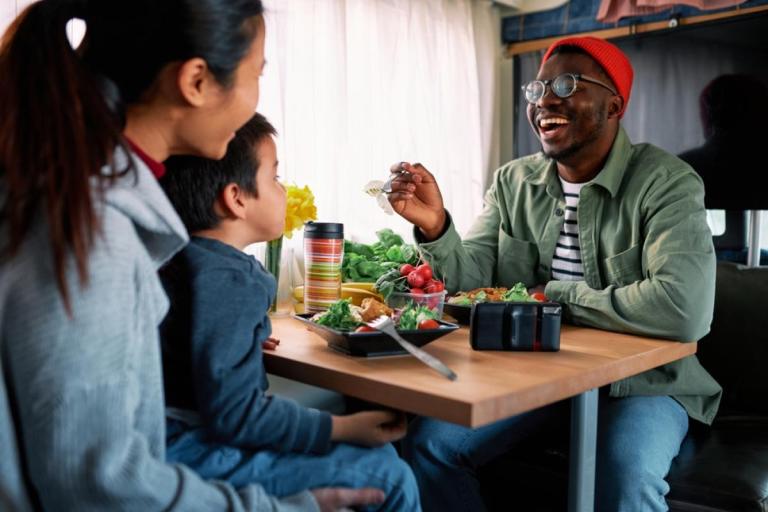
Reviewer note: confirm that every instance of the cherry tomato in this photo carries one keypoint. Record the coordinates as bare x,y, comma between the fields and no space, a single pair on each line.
365,328
415,279
406,269
429,324
539,297
425,271
417,291
434,286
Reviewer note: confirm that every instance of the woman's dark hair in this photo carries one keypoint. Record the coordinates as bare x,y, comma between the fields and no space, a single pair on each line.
62,111
193,184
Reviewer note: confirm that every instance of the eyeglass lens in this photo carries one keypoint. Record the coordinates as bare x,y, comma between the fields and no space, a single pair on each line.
562,85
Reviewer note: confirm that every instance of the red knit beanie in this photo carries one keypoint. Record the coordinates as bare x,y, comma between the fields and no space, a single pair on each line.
613,61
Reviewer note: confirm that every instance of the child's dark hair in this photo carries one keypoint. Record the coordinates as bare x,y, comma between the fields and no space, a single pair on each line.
193,184
63,110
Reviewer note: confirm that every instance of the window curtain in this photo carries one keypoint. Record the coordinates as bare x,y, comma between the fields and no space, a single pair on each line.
7,13
356,86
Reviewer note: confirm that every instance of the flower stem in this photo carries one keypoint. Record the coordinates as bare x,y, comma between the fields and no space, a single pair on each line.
272,264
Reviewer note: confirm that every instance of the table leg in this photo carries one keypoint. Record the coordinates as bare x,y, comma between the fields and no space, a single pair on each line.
583,452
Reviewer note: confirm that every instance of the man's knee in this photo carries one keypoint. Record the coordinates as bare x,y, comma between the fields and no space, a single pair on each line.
433,440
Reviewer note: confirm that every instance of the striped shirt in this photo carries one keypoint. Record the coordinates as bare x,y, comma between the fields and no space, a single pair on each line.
566,262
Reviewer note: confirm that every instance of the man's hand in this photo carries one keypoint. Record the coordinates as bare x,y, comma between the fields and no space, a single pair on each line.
369,428
270,343
416,197
332,499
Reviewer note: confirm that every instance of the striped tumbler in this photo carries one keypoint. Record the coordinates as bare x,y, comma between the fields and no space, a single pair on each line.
323,255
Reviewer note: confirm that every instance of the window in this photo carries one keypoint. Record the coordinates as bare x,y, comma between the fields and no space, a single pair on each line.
354,87
716,221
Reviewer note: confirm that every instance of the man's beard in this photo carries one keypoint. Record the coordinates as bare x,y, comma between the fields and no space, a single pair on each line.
566,153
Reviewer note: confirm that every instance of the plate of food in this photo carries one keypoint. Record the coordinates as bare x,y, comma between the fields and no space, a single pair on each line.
344,327
459,306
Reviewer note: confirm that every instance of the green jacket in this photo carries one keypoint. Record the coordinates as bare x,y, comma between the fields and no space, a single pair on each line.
649,263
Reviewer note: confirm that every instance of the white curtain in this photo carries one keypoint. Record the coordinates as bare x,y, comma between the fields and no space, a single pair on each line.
355,86
7,13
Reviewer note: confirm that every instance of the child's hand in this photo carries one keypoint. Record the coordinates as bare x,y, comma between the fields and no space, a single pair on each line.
332,499
369,428
270,343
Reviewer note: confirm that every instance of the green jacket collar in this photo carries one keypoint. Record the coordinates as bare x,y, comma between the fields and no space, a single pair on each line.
609,177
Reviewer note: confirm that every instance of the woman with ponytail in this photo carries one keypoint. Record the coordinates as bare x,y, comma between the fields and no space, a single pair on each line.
83,229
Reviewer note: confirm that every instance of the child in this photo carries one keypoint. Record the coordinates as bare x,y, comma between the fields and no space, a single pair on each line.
221,422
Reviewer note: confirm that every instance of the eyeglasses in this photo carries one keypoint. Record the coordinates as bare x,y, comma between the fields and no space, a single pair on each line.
563,86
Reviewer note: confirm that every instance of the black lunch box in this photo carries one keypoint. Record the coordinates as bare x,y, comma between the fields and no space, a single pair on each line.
531,326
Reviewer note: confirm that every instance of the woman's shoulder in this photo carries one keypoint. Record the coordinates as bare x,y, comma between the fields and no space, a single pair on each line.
140,212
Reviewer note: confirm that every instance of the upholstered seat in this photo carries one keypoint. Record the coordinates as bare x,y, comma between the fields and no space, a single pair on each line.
726,467
722,468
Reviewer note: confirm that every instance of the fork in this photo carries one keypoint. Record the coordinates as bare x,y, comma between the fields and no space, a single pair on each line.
387,186
387,326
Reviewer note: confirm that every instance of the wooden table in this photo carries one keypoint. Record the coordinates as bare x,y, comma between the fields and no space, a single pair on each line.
490,385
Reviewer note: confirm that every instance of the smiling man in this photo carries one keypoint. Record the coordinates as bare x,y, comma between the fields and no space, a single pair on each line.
617,234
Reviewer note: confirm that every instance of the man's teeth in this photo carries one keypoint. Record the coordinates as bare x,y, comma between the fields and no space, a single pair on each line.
551,121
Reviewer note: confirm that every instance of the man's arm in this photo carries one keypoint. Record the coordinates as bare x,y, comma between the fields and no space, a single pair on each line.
229,323
469,263
674,295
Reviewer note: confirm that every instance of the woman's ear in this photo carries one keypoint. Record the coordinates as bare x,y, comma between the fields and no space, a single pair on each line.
232,202
194,81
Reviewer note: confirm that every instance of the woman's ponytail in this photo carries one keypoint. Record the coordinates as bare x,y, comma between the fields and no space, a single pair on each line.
56,134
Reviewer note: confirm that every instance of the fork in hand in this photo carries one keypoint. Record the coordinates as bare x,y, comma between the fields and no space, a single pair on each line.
387,187
387,326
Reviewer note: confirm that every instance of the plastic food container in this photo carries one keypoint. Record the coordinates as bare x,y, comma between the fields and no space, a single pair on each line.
434,301
533,326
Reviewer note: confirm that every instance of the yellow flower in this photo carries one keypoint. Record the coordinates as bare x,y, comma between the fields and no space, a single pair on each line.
300,208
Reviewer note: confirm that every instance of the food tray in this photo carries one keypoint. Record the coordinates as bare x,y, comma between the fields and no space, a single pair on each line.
375,343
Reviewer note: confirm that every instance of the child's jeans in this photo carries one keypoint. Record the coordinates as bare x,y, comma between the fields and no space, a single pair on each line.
284,474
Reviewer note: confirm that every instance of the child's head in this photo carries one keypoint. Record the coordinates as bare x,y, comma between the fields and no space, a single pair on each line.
239,194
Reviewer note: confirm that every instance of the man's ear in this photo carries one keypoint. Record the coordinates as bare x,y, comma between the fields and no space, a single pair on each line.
232,201
194,81
615,105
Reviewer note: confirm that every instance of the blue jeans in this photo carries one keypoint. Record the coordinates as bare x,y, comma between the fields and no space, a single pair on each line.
284,474
637,439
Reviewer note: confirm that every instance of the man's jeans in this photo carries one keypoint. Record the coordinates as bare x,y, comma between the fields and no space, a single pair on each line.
637,439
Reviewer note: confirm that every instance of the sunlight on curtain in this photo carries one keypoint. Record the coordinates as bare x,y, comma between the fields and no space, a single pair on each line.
7,14
353,87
